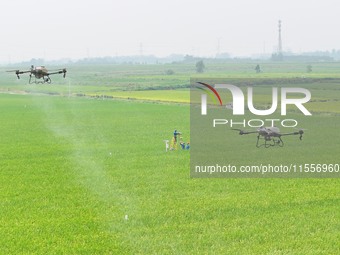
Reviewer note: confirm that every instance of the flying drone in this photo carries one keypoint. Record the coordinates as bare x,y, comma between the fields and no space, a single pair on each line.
40,72
270,135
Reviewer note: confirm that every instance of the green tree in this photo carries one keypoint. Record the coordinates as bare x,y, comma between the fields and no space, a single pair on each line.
309,69
200,66
258,68
169,72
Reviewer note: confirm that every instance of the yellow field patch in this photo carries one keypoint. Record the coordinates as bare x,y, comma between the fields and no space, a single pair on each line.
180,96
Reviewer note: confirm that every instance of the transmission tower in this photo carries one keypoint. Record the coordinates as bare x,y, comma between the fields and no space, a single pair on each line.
280,40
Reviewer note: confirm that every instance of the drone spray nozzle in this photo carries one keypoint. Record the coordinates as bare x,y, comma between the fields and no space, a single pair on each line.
301,133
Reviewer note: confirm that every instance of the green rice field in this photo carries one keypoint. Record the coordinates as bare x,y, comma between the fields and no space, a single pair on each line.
84,170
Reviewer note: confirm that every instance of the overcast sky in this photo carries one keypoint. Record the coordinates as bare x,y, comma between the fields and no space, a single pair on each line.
54,29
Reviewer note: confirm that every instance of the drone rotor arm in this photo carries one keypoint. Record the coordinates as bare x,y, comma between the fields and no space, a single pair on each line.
293,133
250,132
300,132
242,132
59,72
18,72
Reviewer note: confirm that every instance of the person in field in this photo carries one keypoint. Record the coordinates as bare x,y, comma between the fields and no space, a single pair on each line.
176,133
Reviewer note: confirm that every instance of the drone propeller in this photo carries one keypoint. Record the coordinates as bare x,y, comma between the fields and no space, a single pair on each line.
16,72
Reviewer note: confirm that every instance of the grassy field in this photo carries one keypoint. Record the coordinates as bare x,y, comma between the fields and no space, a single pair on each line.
82,175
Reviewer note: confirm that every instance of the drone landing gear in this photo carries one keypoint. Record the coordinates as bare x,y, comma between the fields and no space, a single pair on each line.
269,142
45,79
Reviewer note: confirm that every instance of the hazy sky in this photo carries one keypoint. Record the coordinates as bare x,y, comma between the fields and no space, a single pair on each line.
55,29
